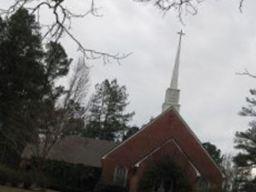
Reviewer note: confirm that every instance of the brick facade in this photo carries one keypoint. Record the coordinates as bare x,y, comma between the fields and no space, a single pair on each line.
168,134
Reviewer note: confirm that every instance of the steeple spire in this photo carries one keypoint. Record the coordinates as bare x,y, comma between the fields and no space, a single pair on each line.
172,93
175,73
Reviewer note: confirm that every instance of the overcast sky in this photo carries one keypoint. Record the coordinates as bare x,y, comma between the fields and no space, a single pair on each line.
219,42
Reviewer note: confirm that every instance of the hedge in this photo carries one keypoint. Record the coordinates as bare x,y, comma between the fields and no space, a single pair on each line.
18,177
57,175
67,177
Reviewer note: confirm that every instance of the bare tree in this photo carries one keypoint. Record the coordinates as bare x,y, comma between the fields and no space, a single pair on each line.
62,20
181,6
53,123
73,111
79,83
231,172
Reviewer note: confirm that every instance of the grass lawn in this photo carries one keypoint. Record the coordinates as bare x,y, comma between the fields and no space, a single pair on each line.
11,189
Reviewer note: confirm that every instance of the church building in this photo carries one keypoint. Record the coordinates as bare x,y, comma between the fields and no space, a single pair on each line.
125,164
167,135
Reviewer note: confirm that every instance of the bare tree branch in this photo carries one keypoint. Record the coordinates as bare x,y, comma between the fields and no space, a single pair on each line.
78,84
247,73
180,6
62,20
241,3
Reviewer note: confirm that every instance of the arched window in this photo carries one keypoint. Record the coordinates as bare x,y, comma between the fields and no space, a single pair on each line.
120,176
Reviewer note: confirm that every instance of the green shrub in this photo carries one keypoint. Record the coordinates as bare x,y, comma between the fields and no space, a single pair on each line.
8,175
17,177
67,177
3,175
167,173
57,175
27,178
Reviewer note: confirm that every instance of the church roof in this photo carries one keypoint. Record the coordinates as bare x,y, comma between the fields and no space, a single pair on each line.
168,125
76,150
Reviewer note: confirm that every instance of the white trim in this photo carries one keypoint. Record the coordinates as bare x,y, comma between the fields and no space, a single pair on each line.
198,174
155,150
199,142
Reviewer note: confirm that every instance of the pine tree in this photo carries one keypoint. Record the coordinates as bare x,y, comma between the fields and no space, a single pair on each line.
22,80
28,71
107,119
214,152
130,132
245,141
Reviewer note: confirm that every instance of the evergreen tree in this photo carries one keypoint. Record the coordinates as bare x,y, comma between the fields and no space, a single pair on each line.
130,132
214,152
107,118
22,80
245,141
27,74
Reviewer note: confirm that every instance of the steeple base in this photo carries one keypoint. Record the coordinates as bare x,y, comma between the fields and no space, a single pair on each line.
171,99
166,106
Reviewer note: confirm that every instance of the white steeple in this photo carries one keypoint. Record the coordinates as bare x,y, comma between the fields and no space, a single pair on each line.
173,93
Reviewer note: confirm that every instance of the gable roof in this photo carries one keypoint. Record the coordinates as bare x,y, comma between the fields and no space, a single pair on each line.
166,126
76,150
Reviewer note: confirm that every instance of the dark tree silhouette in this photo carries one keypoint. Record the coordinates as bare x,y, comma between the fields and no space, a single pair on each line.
245,142
214,152
164,174
107,116
29,107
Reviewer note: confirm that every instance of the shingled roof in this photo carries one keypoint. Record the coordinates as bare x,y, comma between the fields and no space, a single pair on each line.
77,150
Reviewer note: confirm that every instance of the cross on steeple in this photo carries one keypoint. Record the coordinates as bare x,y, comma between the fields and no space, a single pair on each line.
181,33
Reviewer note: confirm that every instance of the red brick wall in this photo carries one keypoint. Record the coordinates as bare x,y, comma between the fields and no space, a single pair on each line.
167,126
108,169
168,150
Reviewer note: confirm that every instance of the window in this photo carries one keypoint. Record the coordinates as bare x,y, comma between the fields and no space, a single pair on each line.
120,176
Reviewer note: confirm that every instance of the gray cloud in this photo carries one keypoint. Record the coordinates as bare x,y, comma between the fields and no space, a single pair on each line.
220,41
